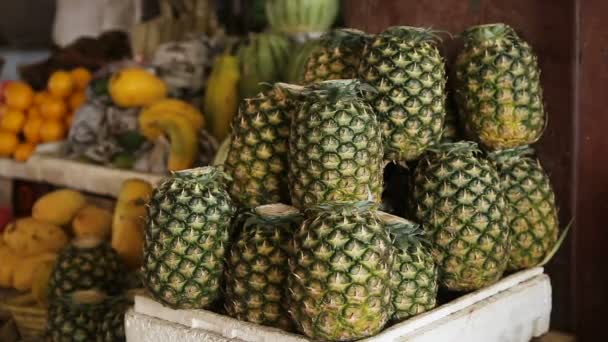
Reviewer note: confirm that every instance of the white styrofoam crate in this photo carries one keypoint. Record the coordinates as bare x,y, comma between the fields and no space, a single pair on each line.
515,309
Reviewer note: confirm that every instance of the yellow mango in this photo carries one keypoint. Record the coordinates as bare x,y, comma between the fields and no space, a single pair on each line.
129,220
136,87
29,236
8,263
58,207
22,279
92,220
40,281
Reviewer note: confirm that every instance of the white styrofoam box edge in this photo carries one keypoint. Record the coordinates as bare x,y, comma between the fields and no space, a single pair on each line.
515,315
232,328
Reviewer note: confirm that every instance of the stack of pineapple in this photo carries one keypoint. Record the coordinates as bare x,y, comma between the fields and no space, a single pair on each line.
331,265
74,256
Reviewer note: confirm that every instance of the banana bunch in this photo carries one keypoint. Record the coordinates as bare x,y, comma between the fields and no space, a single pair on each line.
180,122
222,95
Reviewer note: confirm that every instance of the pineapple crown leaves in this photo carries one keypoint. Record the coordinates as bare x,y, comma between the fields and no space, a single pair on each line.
346,37
344,206
332,90
455,147
488,32
201,175
507,156
415,34
272,215
404,232
557,245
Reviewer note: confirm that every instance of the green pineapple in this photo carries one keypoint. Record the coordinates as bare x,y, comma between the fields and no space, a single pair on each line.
112,324
257,159
339,285
451,125
498,88
414,274
461,204
186,236
76,317
337,57
87,263
405,67
257,268
532,213
335,146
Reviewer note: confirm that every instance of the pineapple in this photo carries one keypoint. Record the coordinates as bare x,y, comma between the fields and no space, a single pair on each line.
186,235
339,285
258,266
459,201
257,160
414,275
335,146
451,125
337,57
498,88
77,316
404,66
532,213
87,263
112,324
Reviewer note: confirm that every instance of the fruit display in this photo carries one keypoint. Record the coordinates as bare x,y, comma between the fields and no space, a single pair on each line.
186,235
58,207
454,205
257,268
293,17
498,88
257,157
136,87
263,58
77,317
222,95
335,146
531,208
414,274
411,109
338,56
340,281
28,118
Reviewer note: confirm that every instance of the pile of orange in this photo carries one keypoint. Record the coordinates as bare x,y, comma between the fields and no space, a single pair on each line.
28,118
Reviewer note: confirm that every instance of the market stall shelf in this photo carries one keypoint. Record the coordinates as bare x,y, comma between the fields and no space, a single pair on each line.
62,172
515,309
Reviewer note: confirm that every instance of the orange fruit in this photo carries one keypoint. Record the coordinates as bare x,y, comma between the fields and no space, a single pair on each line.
33,112
81,77
18,95
77,99
12,121
53,108
8,143
23,151
31,130
52,130
40,96
60,84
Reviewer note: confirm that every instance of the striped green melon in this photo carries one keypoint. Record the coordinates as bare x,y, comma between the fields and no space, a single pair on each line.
301,16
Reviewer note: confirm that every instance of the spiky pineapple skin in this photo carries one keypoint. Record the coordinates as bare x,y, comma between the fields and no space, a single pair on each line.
112,324
84,269
532,212
498,88
459,200
186,236
339,285
257,270
74,322
257,159
408,73
337,57
335,151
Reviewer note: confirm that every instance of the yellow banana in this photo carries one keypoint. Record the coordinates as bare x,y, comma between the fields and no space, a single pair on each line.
179,107
181,133
222,95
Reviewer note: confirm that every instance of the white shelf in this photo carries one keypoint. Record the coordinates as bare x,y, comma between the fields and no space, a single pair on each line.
76,175
515,309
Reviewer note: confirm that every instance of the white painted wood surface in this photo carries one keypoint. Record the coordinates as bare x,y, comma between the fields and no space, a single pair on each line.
515,309
76,175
